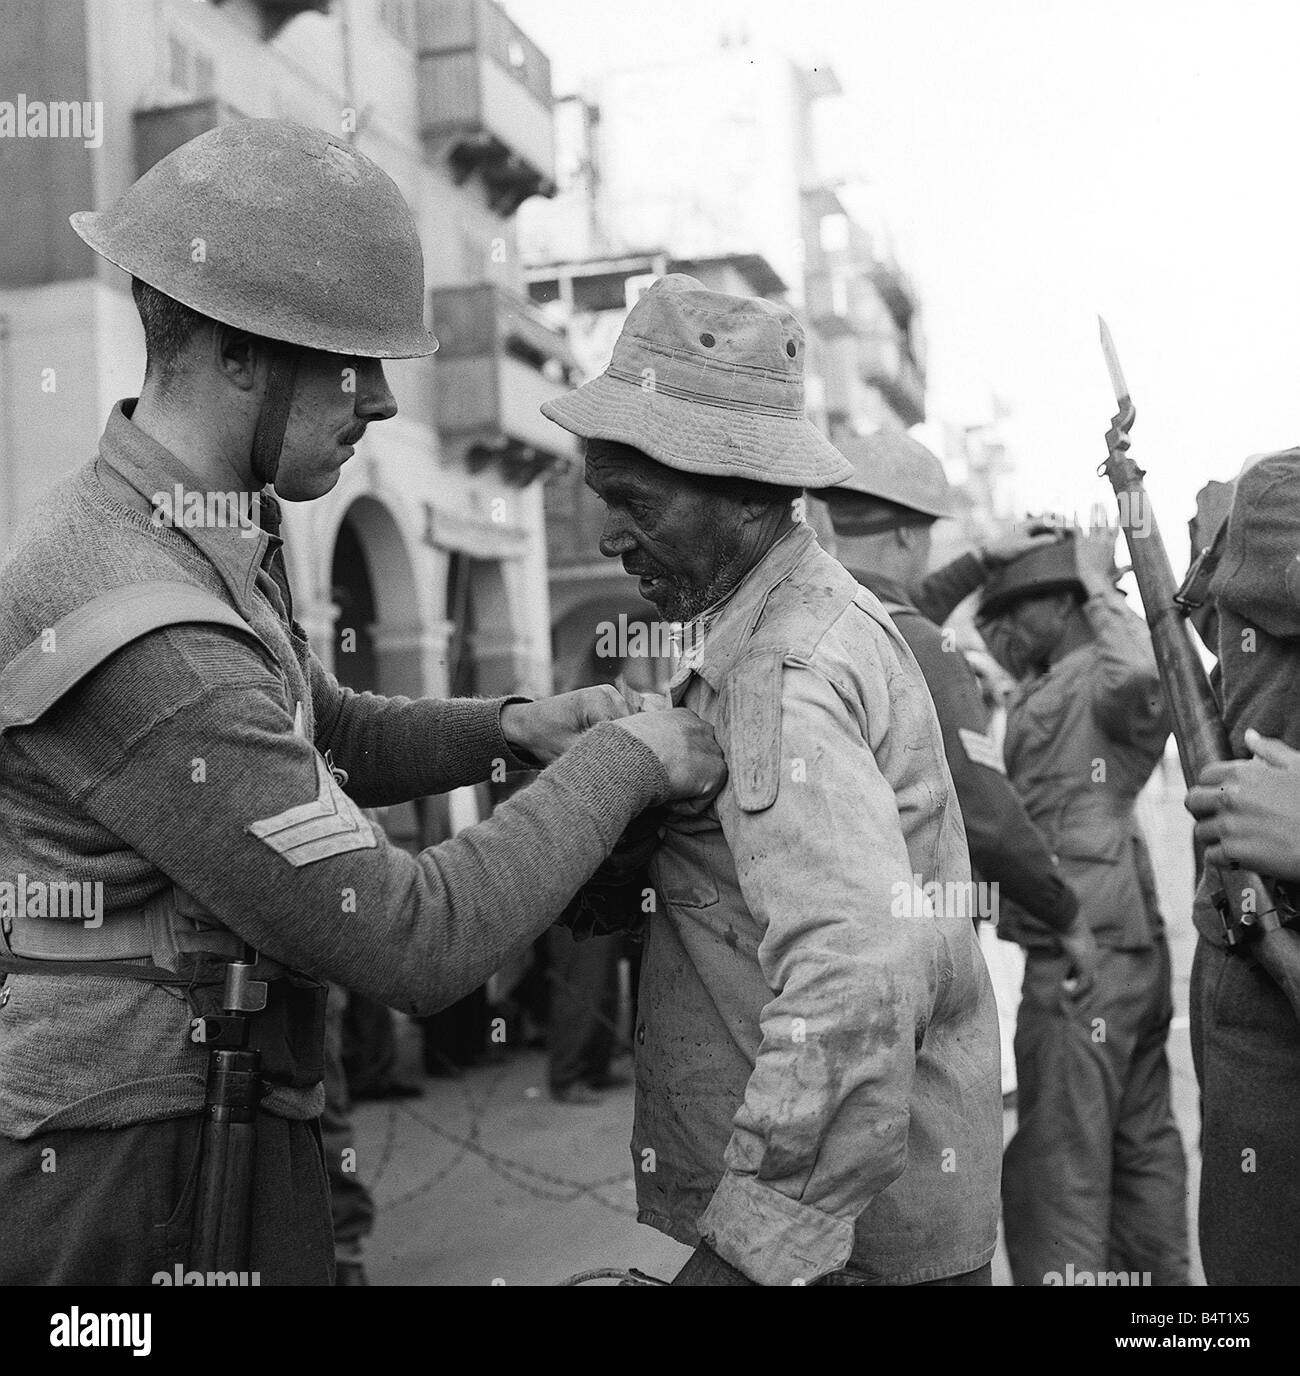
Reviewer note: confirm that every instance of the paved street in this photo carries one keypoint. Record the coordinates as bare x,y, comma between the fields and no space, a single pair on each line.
486,1179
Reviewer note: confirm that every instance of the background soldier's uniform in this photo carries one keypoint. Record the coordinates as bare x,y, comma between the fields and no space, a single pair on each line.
174,775
1005,845
1095,1175
1245,1038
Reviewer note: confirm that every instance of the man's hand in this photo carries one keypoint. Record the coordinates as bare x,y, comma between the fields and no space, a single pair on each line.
1080,946
1094,558
705,1267
545,730
1248,811
685,747
1008,548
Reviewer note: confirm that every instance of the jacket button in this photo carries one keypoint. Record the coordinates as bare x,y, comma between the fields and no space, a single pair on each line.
640,1034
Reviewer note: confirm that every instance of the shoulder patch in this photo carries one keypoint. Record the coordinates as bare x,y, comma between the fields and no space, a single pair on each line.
331,824
981,749
754,729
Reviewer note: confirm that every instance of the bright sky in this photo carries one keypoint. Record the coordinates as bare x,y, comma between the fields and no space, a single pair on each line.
1041,161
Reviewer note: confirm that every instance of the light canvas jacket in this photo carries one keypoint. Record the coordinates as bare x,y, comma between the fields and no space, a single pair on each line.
1082,740
817,1049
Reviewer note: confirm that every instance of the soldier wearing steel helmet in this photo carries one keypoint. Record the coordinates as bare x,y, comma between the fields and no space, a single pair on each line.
182,747
1095,1176
883,517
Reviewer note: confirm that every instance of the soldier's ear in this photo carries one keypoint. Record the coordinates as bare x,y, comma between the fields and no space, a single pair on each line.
236,354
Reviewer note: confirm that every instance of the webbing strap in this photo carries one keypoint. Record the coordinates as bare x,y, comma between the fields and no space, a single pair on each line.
37,677
117,969
124,936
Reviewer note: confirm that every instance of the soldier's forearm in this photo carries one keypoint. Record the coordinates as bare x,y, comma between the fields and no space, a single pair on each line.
396,748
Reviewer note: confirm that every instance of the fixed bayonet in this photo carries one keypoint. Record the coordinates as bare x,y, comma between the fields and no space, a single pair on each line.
1122,398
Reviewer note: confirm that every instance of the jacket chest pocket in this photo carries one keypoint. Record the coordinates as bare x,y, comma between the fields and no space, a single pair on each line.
684,864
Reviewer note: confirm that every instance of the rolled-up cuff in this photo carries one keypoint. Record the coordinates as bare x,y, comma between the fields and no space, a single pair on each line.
772,1238
500,746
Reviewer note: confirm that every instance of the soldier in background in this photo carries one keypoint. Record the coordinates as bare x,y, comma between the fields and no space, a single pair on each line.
1245,1038
883,517
1095,1176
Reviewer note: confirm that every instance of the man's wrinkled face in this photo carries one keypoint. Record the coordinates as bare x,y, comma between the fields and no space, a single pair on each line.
679,539
334,399
1023,637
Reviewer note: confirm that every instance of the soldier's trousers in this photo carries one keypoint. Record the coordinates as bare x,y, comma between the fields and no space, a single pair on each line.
116,1206
1095,1180
1246,1046
351,1202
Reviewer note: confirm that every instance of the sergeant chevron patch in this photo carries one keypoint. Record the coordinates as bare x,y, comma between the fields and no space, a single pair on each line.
330,825
981,749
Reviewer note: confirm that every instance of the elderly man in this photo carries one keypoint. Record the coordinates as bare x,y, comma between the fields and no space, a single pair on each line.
817,1048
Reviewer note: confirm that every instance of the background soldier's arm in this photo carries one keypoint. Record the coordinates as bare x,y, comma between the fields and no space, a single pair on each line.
1127,699
1005,845
942,591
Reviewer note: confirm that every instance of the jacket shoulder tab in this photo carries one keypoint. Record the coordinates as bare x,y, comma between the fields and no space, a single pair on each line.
754,728
77,644
797,615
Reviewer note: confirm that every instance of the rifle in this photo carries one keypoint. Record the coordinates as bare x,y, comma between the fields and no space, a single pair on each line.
1254,917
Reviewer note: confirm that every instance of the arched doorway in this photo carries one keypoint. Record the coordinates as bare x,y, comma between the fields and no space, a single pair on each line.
377,632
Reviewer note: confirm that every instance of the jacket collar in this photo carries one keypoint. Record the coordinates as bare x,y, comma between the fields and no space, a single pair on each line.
730,625
886,589
150,471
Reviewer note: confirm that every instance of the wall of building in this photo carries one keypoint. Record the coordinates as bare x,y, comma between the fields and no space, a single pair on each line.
70,342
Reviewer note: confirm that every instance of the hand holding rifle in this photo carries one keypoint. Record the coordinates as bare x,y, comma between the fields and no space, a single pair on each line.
1256,920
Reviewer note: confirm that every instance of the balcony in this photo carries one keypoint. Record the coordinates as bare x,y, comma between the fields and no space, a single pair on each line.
162,130
485,101
275,14
497,362
885,363
828,305
895,291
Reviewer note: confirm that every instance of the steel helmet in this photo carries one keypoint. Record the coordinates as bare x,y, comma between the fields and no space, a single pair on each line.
1046,570
890,466
277,229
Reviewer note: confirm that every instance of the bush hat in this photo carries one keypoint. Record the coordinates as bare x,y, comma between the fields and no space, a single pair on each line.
709,383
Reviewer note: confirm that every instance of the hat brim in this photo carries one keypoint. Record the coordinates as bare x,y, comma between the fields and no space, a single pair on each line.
1004,601
694,436
856,488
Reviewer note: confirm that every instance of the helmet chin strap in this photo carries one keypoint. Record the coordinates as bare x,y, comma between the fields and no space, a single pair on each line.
268,438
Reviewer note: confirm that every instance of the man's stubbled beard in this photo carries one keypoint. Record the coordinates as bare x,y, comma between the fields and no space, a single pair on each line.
684,601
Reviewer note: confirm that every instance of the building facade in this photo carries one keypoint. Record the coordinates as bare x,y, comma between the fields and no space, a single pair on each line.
425,570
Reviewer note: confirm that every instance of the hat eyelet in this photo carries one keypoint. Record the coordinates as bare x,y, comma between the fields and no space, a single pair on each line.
708,341
789,347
